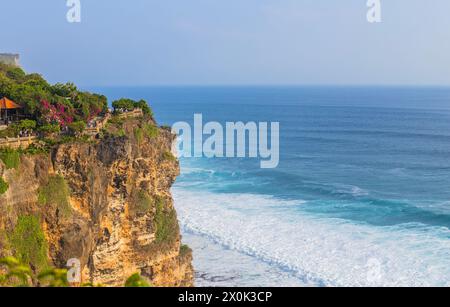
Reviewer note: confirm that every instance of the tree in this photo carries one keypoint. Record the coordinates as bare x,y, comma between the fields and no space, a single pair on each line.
123,104
77,127
143,105
27,124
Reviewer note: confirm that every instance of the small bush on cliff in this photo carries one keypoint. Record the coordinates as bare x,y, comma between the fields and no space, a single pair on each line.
10,157
136,281
16,273
4,186
184,250
139,135
151,131
54,278
19,275
166,222
28,242
167,155
142,202
56,192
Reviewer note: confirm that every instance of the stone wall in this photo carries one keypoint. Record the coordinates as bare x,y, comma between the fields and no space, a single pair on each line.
9,59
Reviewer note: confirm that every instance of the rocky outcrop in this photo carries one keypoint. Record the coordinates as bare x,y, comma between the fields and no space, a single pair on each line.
119,217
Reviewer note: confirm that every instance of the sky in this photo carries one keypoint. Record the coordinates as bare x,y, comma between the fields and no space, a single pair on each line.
231,42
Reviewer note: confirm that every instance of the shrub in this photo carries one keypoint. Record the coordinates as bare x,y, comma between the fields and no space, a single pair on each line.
4,186
10,157
77,127
49,129
142,202
167,155
166,222
27,124
139,135
151,131
16,271
54,277
136,281
28,242
184,250
56,192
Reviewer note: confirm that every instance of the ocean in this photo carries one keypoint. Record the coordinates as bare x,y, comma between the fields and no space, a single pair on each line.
361,196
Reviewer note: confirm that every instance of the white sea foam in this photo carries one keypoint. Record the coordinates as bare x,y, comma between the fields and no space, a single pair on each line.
327,252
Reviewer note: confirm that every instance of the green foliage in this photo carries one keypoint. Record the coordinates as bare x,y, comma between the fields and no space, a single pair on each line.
151,131
77,127
116,121
27,124
56,192
142,202
30,90
10,157
28,242
54,278
184,250
143,105
139,135
19,275
167,155
166,222
123,104
136,281
4,186
49,129
16,272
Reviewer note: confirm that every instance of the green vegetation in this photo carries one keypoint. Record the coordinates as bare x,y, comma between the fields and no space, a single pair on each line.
166,222
10,157
14,129
151,131
125,104
54,278
4,186
139,135
142,202
28,242
77,127
19,275
167,155
136,281
56,192
59,104
184,250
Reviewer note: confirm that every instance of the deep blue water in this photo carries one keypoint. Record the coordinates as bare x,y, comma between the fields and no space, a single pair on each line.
364,174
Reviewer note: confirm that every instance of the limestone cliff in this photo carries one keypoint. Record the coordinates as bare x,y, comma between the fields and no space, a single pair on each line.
117,218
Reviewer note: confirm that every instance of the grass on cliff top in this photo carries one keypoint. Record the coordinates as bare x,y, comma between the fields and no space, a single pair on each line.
4,186
56,192
28,242
10,157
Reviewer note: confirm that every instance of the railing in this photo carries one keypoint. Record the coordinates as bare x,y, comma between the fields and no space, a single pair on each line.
19,142
99,124
134,113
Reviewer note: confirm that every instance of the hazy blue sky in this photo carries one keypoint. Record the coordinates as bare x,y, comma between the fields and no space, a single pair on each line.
149,42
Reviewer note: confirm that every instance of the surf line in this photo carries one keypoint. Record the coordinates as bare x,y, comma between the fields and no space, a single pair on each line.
235,140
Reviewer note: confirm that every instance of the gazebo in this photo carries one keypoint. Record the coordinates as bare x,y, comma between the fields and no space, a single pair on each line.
9,111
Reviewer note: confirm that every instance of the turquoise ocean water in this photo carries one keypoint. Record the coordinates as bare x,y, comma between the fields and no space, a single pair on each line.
361,195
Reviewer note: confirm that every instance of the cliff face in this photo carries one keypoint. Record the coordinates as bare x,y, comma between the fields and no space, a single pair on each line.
118,217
